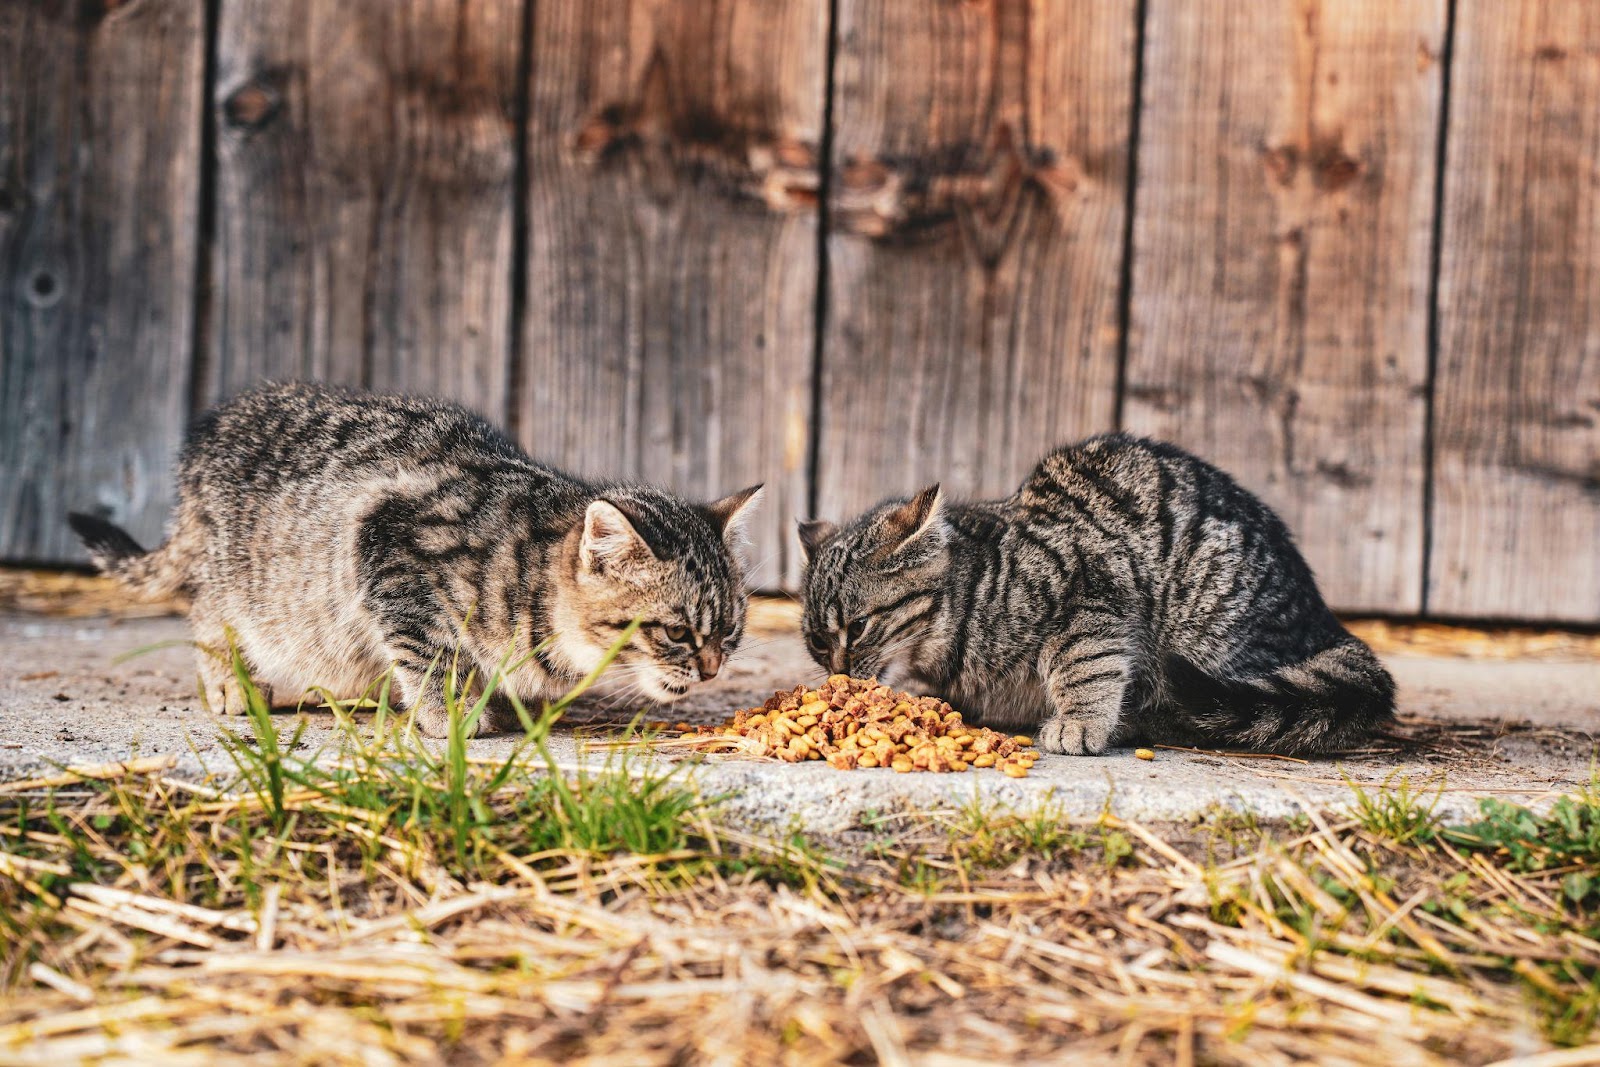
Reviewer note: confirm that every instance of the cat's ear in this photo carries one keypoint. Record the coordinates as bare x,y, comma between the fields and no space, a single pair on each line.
609,539
813,533
913,519
732,514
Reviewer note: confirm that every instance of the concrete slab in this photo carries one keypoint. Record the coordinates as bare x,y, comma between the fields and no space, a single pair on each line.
1522,729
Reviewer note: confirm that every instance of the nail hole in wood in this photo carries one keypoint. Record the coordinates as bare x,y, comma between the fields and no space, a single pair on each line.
43,289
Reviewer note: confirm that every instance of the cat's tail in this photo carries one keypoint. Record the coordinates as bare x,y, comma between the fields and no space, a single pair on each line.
156,575
1333,700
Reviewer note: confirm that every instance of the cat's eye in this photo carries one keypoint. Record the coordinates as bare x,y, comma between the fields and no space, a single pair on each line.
680,634
858,628
818,643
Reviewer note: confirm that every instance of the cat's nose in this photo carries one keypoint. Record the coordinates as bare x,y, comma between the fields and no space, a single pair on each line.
709,661
839,660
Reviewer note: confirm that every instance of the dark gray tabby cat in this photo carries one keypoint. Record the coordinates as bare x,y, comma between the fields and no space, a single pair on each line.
1126,590
335,533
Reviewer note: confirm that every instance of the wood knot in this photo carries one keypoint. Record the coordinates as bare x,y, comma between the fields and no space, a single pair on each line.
596,136
1163,398
786,169
1332,168
1281,163
746,163
863,175
977,189
793,153
1063,178
868,198
95,10
1342,474
252,106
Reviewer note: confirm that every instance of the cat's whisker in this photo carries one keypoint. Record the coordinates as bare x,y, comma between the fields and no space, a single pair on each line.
751,646
915,634
763,561
901,644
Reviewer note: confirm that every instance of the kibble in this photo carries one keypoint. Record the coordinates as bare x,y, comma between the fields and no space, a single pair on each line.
855,722
1144,753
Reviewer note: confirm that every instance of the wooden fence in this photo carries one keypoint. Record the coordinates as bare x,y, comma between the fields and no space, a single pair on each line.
1348,250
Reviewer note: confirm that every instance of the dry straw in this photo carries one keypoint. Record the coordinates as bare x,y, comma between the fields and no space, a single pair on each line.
342,937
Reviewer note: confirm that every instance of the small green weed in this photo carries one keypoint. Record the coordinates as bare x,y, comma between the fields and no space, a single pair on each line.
1568,835
1396,810
990,838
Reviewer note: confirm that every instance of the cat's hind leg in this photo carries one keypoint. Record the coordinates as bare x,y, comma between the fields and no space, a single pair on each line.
1086,670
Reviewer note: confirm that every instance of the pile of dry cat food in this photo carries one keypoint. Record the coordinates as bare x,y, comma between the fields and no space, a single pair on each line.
851,722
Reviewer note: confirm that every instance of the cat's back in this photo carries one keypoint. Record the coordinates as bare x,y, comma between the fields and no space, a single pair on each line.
281,480
1111,482
1122,480
296,432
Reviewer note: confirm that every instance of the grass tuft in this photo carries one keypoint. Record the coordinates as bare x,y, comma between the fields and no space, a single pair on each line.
1396,810
392,899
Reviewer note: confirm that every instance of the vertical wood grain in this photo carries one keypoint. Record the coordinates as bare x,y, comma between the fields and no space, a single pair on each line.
1281,267
1517,412
980,161
366,157
99,183
668,332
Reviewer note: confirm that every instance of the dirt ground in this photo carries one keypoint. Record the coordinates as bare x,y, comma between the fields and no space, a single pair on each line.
392,911
1510,714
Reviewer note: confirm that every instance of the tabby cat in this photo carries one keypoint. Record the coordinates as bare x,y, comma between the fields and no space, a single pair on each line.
335,533
1127,590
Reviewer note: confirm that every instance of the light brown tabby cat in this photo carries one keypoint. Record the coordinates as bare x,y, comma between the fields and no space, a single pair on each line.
335,533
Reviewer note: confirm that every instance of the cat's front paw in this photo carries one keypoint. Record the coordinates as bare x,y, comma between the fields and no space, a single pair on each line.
499,717
432,721
229,698
1074,737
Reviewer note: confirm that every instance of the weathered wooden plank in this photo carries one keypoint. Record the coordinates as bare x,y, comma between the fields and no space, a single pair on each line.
672,246
99,185
978,203
1516,518
366,158
1282,245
